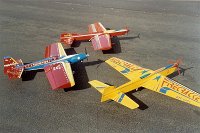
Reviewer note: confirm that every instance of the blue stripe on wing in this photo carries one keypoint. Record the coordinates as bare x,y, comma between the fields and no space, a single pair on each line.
125,71
121,98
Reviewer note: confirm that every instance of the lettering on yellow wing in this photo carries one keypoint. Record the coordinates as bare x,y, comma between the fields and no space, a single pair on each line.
181,89
125,64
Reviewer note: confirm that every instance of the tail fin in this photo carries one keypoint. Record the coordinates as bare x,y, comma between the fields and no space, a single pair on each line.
110,92
67,38
11,67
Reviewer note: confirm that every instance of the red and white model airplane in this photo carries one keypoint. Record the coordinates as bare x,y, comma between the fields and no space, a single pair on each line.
56,64
98,35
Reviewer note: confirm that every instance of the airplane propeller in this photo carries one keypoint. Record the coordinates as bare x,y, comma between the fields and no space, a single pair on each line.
138,36
127,30
86,53
177,63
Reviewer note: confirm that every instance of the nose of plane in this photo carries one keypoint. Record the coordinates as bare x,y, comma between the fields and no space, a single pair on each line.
78,57
83,56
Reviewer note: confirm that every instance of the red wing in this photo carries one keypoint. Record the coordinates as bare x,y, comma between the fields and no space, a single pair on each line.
55,49
59,75
101,42
96,27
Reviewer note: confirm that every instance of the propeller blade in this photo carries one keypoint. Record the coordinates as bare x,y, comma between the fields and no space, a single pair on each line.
138,35
85,51
98,66
179,71
179,61
171,61
86,54
127,30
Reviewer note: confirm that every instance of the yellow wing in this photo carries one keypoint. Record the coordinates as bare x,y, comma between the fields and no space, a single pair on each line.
109,93
168,87
129,70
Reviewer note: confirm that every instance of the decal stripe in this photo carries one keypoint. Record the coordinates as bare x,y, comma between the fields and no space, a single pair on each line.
93,28
98,42
121,97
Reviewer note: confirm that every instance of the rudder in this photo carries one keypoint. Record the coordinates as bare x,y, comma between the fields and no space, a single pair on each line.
110,92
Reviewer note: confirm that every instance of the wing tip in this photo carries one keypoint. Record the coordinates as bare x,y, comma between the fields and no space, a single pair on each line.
134,106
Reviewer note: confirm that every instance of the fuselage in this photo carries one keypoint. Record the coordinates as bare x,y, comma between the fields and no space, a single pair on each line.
80,37
51,60
165,71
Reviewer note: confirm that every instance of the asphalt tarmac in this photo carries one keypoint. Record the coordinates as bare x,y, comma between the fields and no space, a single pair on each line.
168,30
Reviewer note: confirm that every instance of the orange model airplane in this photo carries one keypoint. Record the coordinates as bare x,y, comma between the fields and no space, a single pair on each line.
98,35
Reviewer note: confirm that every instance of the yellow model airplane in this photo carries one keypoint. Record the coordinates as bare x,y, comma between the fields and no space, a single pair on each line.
142,77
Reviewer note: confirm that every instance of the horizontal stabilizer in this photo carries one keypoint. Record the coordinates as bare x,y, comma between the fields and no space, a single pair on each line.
110,92
125,100
98,85
12,67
